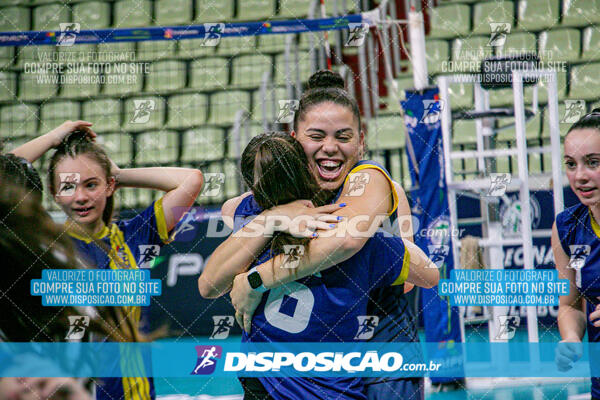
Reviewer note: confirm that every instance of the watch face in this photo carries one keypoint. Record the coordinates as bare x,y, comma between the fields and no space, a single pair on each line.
254,279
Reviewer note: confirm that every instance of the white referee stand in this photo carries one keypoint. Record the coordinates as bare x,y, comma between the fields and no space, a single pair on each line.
493,239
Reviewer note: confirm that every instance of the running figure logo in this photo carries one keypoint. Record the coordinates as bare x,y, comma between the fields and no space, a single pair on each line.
68,33
293,253
574,109
579,253
498,184
432,111
68,183
207,359
287,110
148,252
212,34
508,326
499,30
366,326
438,254
213,182
223,323
142,110
185,225
77,327
358,183
357,34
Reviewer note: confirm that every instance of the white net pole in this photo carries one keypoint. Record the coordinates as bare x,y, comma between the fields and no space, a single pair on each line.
416,31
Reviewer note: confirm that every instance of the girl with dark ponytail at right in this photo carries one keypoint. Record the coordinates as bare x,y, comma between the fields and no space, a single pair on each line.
576,247
328,126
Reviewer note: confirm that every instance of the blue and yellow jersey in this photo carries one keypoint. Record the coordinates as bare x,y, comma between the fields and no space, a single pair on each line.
352,179
579,235
397,321
130,243
330,306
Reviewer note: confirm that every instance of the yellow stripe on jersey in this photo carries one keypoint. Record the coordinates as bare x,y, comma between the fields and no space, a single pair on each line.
142,383
87,239
595,226
373,166
126,388
134,388
405,268
121,256
161,221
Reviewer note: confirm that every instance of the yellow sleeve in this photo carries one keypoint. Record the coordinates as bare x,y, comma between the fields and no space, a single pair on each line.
161,222
373,166
405,268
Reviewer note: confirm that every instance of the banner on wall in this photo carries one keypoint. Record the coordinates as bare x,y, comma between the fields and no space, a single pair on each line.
178,266
422,116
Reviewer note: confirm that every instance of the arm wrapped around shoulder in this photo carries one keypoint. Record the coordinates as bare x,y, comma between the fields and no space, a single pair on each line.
423,272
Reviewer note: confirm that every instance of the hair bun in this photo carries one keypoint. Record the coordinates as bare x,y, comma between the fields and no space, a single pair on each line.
325,79
76,137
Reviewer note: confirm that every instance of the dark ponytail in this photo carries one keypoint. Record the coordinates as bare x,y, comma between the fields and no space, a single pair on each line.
76,144
20,172
274,167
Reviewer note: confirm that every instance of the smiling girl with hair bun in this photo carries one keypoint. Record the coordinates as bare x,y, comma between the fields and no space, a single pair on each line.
328,127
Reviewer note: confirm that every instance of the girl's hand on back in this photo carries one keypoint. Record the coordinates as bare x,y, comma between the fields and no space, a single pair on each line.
59,133
301,218
594,316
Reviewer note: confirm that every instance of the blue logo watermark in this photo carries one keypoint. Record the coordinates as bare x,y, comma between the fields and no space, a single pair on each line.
503,287
207,359
95,287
